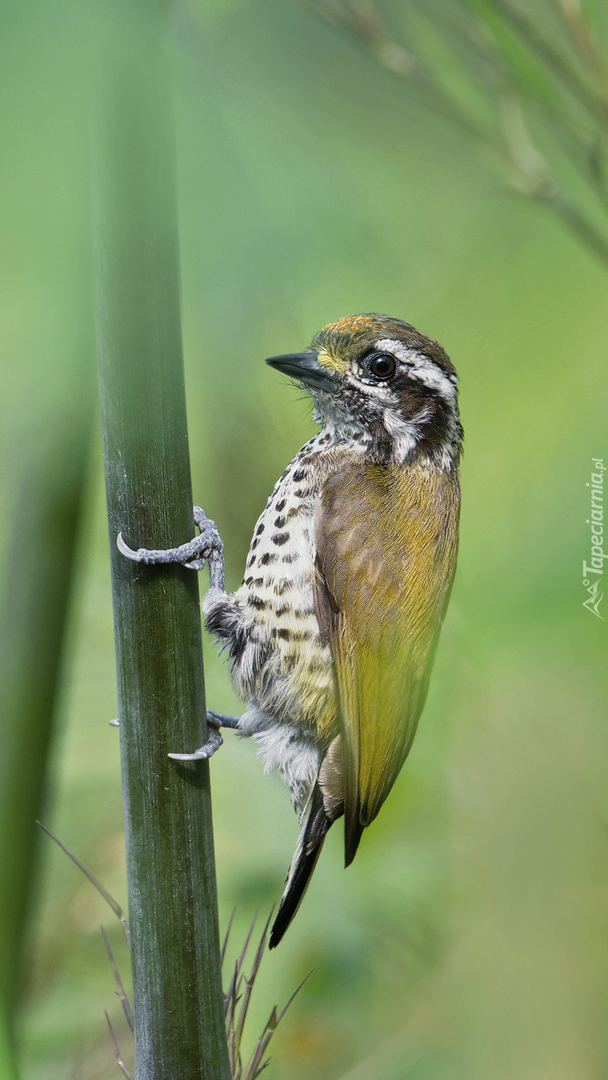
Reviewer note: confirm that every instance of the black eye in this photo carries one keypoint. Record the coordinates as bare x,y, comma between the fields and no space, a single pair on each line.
383,366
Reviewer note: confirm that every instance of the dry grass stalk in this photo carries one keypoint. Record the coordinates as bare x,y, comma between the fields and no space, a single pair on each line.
236,1005
124,1001
527,83
121,1064
236,999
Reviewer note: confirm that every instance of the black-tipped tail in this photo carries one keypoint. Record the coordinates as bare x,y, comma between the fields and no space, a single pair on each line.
315,829
353,831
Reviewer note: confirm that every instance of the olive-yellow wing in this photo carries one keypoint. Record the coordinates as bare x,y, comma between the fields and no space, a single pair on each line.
387,541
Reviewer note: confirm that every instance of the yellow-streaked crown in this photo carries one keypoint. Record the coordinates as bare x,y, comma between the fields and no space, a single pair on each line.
341,343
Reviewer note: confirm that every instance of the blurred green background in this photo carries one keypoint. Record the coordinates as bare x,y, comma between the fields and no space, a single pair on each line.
470,937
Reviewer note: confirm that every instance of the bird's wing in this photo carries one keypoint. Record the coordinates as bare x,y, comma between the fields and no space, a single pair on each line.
387,542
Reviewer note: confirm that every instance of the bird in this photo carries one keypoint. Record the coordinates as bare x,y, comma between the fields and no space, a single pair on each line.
332,634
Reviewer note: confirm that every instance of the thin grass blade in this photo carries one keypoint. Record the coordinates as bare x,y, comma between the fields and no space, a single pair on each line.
254,1068
241,958
229,1003
121,1063
116,908
231,998
260,1047
250,983
124,1001
290,999
227,935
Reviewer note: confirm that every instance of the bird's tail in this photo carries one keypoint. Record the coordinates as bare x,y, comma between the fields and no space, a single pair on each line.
314,830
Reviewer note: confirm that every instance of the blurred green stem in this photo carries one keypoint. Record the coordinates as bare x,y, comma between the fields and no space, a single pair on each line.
178,1006
7,1066
35,602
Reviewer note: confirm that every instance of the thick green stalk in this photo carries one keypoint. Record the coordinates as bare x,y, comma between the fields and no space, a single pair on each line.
179,1024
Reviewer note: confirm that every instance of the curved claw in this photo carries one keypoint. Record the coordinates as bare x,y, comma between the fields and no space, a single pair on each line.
213,743
207,547
129,553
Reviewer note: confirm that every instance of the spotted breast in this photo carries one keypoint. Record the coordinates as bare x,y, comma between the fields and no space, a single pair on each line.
279,664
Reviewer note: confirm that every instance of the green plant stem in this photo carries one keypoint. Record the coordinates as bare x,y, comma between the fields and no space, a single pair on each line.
33,615
177,995
8,1069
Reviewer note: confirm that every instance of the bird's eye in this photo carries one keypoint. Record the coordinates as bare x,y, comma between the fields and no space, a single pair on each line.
383,366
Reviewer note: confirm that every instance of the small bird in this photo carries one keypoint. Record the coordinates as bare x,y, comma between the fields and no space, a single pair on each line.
332,634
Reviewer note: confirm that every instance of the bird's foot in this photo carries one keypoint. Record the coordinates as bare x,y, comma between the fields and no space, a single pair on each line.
207,547
215,721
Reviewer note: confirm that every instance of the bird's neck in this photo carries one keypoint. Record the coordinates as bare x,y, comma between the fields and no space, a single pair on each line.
391,439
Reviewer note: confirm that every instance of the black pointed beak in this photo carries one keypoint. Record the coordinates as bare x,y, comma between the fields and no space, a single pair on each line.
306,368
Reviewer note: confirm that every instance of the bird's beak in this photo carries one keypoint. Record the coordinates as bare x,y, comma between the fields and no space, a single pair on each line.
305,367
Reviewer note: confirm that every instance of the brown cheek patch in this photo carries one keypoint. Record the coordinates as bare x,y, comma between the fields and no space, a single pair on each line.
413,397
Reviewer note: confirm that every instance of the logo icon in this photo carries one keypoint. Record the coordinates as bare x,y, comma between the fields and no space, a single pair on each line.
594,600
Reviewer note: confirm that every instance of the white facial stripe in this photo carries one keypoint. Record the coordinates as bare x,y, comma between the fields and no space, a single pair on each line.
421,367
405,433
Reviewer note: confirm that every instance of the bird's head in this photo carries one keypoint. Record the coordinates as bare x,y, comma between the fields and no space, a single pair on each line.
379,378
